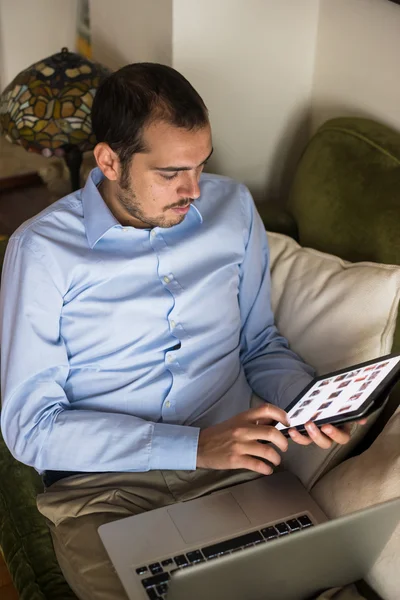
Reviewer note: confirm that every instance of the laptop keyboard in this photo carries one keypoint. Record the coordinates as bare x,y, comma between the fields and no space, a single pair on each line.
155,576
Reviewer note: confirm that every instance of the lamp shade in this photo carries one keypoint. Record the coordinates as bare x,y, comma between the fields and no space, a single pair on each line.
46,108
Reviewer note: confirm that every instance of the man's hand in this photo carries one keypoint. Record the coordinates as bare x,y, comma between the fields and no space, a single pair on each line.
325,436
234,443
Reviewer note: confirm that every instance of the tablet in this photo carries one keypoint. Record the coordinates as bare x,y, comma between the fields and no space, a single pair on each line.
345,395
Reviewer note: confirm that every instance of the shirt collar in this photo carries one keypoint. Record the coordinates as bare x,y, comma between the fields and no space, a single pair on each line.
97,216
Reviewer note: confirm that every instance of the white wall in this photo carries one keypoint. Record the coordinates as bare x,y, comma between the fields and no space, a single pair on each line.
126,31
31,30
357,65
252,61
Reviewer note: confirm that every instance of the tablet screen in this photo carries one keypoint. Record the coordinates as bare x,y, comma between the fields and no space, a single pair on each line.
339,393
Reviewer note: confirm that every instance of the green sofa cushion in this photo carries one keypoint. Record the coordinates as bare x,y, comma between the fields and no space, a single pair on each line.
345,195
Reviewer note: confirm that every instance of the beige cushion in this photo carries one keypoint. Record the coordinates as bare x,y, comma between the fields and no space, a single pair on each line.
364,480
334,314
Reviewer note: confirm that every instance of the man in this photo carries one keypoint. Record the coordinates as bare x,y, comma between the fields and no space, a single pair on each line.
137,329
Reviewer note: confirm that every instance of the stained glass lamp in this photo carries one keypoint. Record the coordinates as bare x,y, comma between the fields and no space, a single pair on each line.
46,108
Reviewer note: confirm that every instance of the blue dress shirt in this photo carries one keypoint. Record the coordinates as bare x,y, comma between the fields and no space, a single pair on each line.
118,344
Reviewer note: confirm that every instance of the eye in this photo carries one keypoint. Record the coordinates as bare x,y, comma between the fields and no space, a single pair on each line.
169,177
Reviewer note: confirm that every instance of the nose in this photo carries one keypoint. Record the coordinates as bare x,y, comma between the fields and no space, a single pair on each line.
189,187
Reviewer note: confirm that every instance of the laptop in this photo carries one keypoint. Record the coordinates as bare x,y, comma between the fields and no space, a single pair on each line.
299,567
219,546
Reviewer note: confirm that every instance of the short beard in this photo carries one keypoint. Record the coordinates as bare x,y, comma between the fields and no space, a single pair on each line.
128,199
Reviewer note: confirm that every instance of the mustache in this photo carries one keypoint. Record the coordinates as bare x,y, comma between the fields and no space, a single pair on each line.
180,204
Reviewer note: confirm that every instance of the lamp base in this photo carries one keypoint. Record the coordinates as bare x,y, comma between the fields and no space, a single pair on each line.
73,158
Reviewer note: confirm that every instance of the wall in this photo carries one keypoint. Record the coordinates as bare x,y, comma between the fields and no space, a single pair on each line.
252,61
122,31
126,31
357,65
31,30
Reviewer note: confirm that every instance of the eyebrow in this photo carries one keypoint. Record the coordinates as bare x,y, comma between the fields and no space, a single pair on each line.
183,168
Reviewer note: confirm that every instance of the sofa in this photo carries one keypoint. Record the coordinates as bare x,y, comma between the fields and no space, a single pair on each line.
335,252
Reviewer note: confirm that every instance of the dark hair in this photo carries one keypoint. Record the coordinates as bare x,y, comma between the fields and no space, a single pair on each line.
138,94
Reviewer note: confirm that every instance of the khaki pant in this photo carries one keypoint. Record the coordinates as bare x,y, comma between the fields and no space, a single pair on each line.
75,508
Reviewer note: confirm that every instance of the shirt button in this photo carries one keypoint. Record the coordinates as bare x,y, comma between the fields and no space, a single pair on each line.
166,279
153,233
170,358
168,404
173,324
124,229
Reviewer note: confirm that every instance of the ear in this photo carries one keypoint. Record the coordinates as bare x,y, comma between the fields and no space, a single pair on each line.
107,161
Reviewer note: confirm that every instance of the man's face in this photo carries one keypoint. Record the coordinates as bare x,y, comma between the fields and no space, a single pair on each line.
157,188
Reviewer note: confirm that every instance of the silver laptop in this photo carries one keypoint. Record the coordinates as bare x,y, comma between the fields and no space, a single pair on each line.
331,555
228,529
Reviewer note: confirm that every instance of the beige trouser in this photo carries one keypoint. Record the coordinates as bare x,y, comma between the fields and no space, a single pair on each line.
75,508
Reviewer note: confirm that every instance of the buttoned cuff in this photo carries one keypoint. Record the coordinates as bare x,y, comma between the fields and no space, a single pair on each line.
174,447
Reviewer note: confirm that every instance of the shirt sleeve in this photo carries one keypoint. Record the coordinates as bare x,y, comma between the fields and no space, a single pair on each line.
39,425
274,372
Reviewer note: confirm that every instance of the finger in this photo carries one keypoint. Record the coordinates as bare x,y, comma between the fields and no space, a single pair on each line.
349,426
266,433
267,412
264,451
317,436
252,464
299,438
340,436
